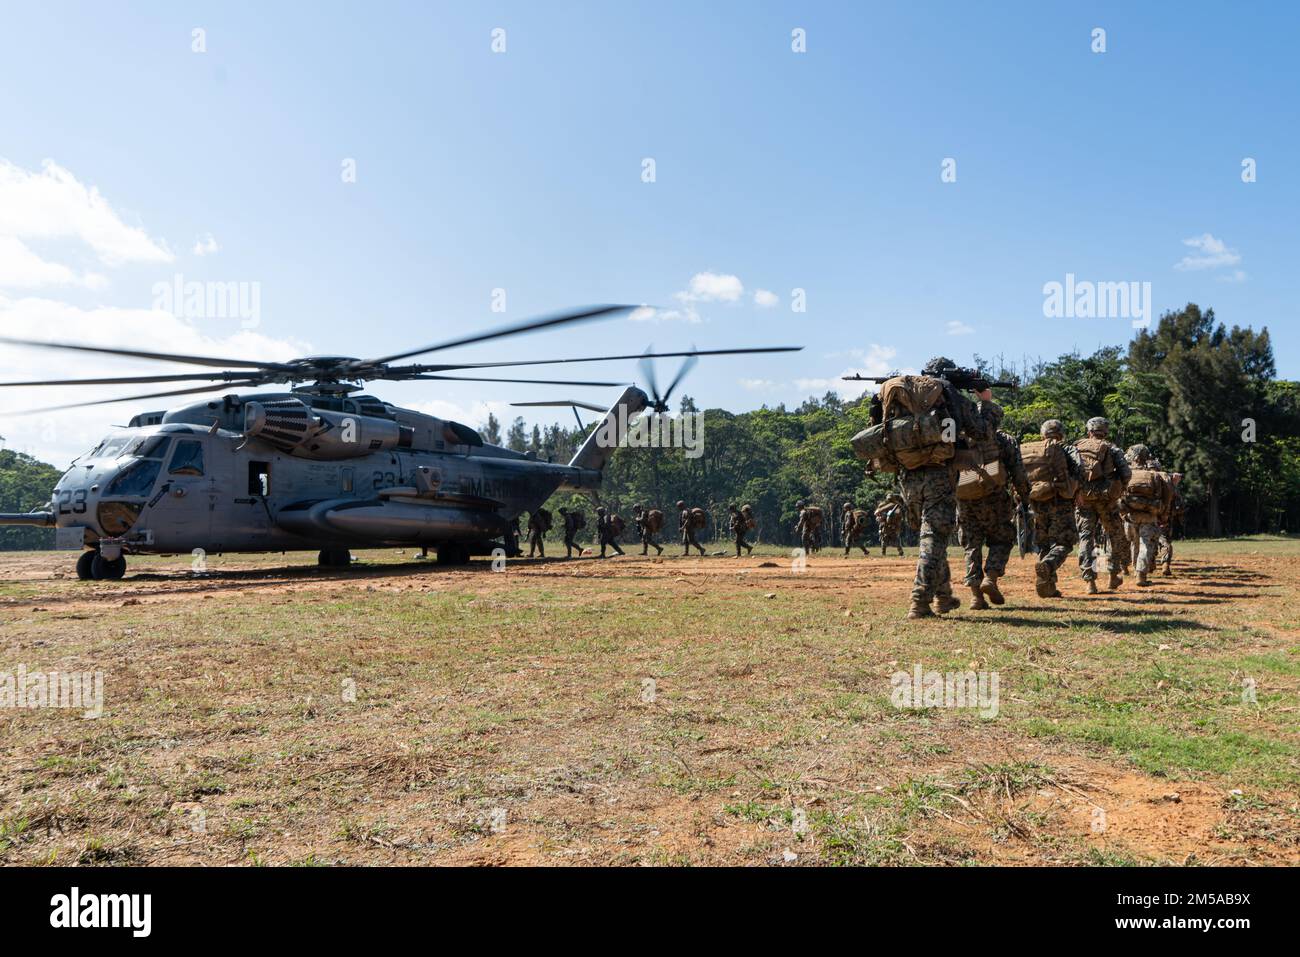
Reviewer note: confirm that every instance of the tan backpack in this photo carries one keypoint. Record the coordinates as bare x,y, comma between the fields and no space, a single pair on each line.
912,433
1143,492
1099,483
981,472
699,518
747,512
812,517
654,520
1048,469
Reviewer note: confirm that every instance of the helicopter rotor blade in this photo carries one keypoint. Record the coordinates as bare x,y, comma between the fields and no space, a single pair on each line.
542,362
565,402
134,398
647,368
585,314
687,365
154,356
456,378
141,379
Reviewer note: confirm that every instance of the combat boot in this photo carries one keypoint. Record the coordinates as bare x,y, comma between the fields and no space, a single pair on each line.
1143,581
1092,586
1044,586
946,603
977,602
990,588
1116,579
919,609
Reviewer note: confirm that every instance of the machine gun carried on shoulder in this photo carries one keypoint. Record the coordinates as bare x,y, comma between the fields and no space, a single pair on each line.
970,380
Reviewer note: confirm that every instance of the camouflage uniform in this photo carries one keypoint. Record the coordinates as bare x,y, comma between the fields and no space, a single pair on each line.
641,518
889,518
536,542
605,532
1165,554
739,526
991,521
1092,519
570,530
1146,514
855,531
687,529
810,536
1055,533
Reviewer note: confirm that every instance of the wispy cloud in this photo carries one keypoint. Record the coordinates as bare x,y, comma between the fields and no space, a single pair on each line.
765,298
958,328
206,245
1211,253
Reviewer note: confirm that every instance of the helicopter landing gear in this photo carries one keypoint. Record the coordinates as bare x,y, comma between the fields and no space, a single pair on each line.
102,569
453,555
84,563
334,558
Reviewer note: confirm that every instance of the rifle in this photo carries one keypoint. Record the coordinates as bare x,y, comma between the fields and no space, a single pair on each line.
1025,529
967,379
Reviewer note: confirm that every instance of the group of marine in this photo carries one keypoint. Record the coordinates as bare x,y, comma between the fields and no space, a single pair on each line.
955,470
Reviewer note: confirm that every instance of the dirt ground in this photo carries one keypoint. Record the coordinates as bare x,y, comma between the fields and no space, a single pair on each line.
648,711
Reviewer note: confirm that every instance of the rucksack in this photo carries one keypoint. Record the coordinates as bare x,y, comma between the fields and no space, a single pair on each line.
1142,494
544,519
579,520
912,433
699,518
1099,482
1048,469
981,471
747,512
654,520
617,524
860,519
812,517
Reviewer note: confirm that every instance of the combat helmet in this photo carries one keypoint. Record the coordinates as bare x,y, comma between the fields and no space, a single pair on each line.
1099,424
1052,428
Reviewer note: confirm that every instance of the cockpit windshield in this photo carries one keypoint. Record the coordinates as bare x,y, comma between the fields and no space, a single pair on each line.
140,447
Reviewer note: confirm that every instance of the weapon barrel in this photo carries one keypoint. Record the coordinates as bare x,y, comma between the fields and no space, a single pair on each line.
39,519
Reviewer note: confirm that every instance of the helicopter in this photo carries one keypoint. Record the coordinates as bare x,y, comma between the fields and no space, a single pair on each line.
321,467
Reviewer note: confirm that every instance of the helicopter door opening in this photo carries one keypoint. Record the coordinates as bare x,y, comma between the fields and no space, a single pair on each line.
259,479
184,512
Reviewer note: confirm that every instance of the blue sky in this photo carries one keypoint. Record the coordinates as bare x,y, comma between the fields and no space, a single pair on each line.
522,171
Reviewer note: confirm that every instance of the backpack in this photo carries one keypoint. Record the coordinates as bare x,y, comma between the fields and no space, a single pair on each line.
860,520
699,518
911,434
543,519
1142,494
980,470
1099,482
812,518
1048,469
654,520
579,520
616,524
747,512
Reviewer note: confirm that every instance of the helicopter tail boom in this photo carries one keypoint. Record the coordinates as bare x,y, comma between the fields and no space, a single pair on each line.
610,431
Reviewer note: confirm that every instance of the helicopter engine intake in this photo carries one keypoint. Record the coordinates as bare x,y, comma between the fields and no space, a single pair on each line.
294,427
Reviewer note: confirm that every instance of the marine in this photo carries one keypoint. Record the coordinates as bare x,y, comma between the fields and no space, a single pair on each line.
1148,499
1103,473
572,522
688,520
985,514
855,523
740,524
648,523
809,527
539,523
1177,509
608,529
1052,468
889,519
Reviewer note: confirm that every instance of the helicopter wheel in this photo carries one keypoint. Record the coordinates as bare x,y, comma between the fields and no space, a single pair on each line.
103,570
85,563
334,558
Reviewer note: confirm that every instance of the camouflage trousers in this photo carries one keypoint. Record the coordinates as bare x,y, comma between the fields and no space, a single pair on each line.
1054,532
689,542
740,541
986,522
1092,521
536,544
891,539
1148,538
1165,554
855,537
931,498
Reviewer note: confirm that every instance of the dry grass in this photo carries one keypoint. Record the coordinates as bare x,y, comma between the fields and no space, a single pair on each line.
499,717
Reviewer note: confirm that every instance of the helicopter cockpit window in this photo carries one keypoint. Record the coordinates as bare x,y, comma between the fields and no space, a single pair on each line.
111,447
136,480
150,447
187,459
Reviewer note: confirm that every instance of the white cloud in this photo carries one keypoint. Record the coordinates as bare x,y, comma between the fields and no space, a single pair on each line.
54,205
206,245
712,287
958,328
875,360
1237,275
642,313
757,384
765,298
20,268
1211,253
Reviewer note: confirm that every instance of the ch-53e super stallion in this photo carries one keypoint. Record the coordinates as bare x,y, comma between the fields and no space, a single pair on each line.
319,467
